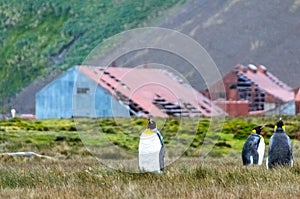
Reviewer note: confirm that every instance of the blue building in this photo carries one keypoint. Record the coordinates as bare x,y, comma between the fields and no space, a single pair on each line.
74,94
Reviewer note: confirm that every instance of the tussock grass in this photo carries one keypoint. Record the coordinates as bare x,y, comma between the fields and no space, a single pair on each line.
74,173
186,178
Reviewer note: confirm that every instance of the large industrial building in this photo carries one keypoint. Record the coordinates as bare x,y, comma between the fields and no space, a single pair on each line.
86,91
253,89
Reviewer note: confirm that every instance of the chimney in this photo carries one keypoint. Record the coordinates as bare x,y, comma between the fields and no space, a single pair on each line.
241,68
252,68
262,69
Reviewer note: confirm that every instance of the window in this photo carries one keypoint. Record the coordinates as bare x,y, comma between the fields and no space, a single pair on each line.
82,90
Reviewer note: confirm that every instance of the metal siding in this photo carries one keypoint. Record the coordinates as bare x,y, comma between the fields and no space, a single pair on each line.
83,103
288,108
97,102
108,106
60,99
55,100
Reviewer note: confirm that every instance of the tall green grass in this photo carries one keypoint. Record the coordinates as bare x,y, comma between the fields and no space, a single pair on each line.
71,136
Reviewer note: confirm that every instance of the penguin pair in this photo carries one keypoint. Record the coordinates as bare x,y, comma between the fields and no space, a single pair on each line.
280,148
254,148
151,149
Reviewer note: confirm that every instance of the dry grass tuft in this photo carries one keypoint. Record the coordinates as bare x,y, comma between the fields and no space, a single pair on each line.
186,178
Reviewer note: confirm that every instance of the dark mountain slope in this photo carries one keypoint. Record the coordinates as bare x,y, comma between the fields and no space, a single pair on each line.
241,31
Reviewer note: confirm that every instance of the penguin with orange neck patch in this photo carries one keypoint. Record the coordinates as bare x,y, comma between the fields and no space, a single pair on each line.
280,148
254,148
151,149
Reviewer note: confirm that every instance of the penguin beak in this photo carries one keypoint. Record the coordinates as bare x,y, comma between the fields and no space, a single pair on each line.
261,132
150,121
261,128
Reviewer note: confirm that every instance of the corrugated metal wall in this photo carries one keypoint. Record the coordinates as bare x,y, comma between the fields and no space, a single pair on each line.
74,94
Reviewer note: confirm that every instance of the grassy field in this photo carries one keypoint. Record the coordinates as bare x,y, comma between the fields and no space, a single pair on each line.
186,178
74,172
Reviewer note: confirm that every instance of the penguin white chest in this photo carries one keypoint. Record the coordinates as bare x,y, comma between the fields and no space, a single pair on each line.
149,153
261,150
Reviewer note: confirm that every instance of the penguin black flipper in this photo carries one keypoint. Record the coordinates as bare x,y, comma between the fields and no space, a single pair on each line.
249,152
255,157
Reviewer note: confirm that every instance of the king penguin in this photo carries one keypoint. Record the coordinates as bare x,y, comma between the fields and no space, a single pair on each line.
254,148
280,148
151,149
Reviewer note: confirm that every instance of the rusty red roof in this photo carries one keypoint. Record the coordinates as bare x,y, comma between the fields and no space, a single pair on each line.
152,91
266,81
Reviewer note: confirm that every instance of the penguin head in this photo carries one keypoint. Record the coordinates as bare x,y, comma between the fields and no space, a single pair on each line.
279,124
151,124
257,130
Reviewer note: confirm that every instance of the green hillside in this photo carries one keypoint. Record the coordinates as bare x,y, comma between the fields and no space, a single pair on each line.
41,36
